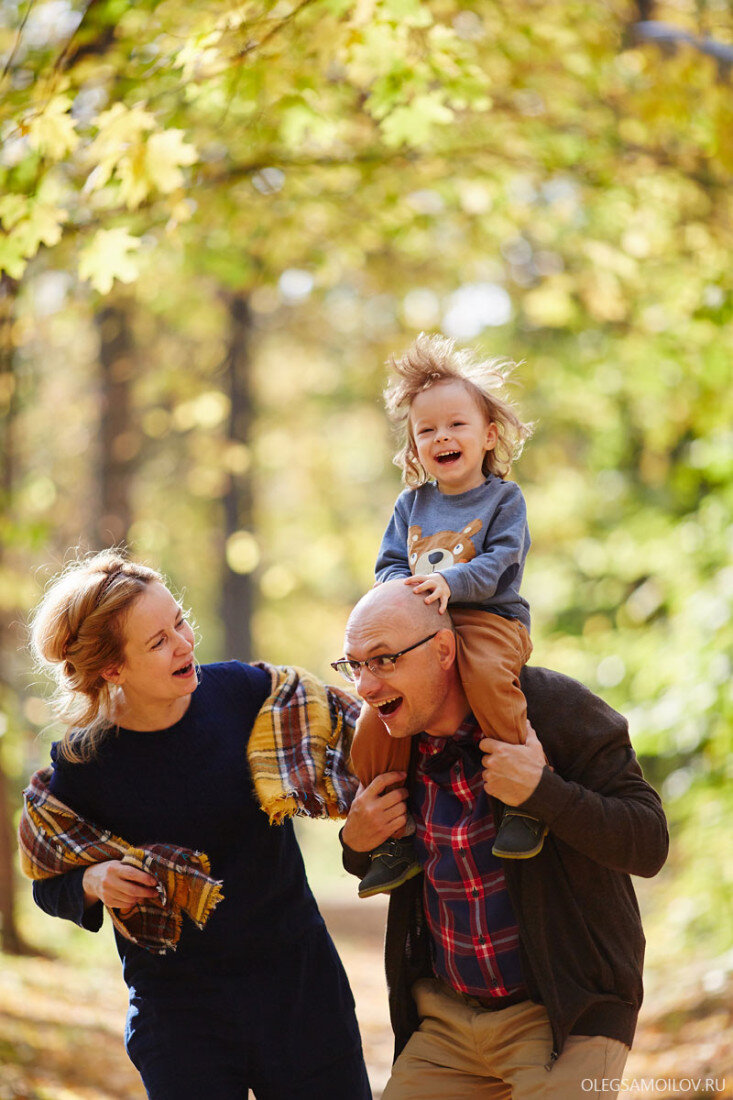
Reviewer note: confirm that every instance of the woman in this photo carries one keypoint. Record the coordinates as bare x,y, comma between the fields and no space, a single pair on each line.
255,997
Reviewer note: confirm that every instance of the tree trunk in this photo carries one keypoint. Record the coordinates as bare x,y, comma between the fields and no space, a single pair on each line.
237,590
8,394
119,439
12,942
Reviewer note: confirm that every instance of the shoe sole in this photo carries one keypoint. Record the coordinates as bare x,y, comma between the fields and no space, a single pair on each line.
387,888
522,855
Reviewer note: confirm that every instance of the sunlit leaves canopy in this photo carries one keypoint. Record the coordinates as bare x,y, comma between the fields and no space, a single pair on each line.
250,124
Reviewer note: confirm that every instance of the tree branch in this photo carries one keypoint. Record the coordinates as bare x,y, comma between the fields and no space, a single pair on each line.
240,56
669,37
65,58
18,37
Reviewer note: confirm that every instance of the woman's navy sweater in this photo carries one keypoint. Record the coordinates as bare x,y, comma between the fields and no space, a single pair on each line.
190,785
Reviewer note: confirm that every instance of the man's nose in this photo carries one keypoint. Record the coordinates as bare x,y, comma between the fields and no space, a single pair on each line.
365,680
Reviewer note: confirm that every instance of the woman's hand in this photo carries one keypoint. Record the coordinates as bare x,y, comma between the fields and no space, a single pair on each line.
116,884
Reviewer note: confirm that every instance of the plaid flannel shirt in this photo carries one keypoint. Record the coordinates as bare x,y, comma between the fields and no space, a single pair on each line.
473,926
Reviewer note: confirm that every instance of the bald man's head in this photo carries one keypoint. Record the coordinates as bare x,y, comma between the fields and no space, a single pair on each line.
396,603
421,690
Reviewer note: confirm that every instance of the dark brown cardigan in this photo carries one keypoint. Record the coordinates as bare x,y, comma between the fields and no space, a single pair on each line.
581,940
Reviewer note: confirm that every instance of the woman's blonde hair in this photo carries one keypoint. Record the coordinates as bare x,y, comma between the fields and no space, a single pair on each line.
77,633
434,359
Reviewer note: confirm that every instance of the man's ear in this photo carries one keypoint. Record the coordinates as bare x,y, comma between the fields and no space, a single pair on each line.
446,640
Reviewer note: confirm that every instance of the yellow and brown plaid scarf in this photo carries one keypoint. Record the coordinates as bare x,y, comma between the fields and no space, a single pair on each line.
53,839
299,747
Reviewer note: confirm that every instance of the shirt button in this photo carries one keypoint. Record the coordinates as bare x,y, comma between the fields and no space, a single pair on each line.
457,769
481,940
475,892
461,851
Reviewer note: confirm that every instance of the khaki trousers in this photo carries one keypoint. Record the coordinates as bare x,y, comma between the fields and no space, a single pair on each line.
491,652
466,1053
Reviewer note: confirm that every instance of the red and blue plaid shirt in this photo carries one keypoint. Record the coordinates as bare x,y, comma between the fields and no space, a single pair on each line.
468,909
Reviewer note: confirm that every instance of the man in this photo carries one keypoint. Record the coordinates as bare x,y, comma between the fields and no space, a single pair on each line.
518,978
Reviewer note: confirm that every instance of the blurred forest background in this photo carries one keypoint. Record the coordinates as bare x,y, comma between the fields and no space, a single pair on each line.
217,222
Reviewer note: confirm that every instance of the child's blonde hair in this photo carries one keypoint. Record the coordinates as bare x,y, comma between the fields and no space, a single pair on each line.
433,359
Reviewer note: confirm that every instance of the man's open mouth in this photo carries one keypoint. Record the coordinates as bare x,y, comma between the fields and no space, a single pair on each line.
448,456
389,706
185,671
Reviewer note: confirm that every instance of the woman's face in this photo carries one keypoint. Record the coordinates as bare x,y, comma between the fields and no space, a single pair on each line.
158,664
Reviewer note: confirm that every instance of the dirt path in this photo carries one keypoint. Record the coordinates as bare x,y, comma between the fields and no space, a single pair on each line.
61,1024
685,1034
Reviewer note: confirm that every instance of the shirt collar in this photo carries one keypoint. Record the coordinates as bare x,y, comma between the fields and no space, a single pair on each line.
469,732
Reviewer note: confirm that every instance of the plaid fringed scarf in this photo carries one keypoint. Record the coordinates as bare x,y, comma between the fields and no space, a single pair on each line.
299,747
53,840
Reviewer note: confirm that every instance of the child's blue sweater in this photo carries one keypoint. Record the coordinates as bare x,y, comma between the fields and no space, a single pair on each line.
477,540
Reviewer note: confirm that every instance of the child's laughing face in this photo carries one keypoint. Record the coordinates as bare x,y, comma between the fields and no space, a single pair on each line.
451,436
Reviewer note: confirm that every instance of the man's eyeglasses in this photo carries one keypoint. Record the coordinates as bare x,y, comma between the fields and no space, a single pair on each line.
381,665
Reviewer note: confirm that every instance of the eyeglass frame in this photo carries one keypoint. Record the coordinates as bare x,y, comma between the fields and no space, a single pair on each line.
354,666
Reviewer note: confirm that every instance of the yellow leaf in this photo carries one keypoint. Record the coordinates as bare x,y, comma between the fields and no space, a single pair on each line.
201,57
12,209
28,223
107,257
121,129
52,132
134,182
166,153
121,125
141,163
11,258
42,225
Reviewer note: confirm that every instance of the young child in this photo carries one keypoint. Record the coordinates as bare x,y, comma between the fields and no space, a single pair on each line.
459,536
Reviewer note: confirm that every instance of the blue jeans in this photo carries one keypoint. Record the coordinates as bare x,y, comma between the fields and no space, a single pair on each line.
283,1027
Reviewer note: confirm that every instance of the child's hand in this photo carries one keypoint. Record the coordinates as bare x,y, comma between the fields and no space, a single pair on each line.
434,584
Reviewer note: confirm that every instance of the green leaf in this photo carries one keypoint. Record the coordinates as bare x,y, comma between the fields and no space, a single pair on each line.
300,123
414,124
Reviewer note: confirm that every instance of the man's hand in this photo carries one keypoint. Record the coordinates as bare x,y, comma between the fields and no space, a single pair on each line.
434,584
375,816
116,884
512,772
